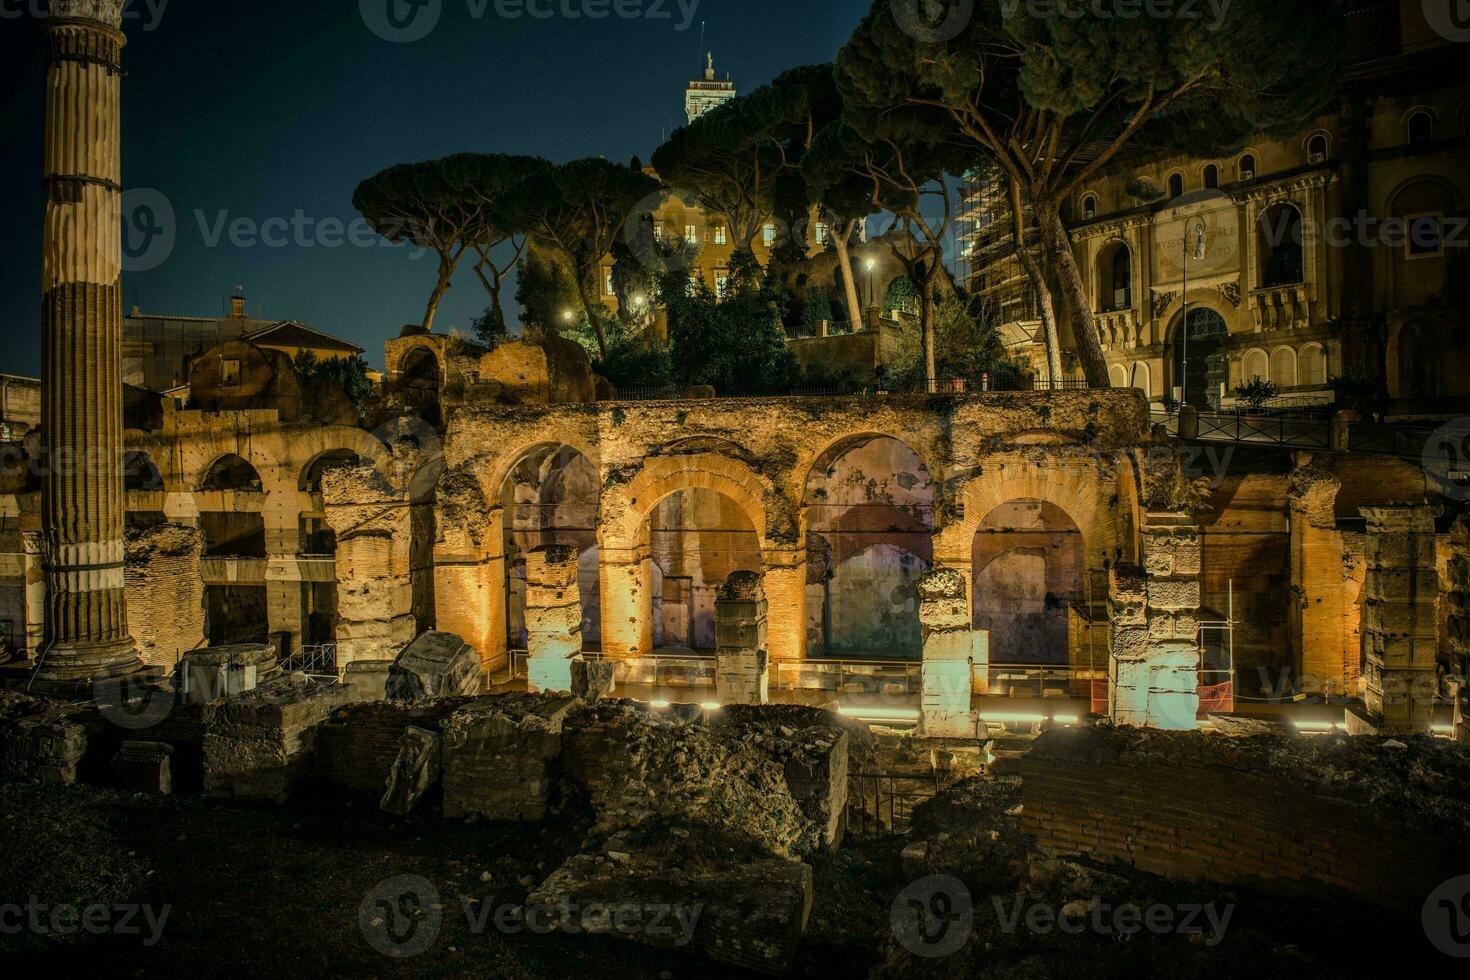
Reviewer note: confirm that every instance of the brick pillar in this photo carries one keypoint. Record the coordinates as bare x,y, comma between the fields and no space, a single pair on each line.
785,586
1400,622
949,653
553,617
742,663
86,628
627,601
470,582
1153,669
1320,591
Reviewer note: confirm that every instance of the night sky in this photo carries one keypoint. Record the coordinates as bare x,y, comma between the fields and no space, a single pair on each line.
264,109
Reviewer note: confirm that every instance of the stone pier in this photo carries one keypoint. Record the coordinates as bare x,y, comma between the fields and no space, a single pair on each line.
86,622
1322,590
949,655
1400,622
742,658
553,617
1153,671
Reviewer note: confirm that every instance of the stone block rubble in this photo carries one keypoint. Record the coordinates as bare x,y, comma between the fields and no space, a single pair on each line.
40,740
951,648
436,665
260,745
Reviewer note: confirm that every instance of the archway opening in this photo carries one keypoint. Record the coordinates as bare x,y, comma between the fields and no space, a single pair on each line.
870,535
1115,278
551,497
419,383
1028,560
231,473
698,537
139,473
311,475
1198,357
1280,240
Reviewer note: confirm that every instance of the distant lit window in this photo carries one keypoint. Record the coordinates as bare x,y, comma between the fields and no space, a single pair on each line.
769,234
722,237
658,230
722,282
608,284
824,234
229,372
691,234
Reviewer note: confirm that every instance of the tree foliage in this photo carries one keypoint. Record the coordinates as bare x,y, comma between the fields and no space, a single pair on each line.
347,373
736,344
578,210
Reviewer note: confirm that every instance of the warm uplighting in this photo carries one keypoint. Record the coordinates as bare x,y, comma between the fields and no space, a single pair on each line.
711,706
891,714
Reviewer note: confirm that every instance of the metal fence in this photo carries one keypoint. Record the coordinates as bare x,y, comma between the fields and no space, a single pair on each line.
314,661
882,803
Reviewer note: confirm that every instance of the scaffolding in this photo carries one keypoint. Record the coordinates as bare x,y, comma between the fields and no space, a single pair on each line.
1217,657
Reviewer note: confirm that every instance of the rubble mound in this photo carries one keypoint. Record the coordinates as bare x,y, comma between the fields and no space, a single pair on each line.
644,772
971,830
1420,775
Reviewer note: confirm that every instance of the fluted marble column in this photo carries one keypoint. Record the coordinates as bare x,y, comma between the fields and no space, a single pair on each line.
86,628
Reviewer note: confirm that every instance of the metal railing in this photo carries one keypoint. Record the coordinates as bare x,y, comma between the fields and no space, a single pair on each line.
1280,430
884,802
318,660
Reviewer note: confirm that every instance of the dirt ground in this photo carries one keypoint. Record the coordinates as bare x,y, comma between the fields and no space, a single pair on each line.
276,891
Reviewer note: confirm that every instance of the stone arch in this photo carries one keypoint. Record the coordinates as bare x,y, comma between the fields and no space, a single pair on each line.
871,608
230,472
1174,181
1283,367
494,474
663,476
140,473
1208,330
1419,125
1312,365
1029,569
1318,145
1245,165
1255,364
1142,378
1070,483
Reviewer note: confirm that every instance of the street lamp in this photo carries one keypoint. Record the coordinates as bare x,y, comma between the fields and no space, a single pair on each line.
1194,241
872,298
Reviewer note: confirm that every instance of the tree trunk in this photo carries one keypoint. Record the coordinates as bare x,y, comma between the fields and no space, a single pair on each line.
849,282
1047,313
591,310
492,284
446,273
1064,264
926,331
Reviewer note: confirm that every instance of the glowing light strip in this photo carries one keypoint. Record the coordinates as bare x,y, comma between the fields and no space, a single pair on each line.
897,714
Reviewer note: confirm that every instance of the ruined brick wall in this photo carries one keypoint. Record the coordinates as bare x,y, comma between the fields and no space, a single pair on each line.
1236,812
165,592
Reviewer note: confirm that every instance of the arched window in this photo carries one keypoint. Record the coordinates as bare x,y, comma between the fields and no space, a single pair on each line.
1255,365
1312,366
1089,207
1421,128
1141,377
1115,278
1246,168
1176,185
1280,234
1317,149
1118,376
1283,367
1212,177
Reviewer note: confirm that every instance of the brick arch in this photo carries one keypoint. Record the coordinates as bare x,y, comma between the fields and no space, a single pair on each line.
663,476
835,448
311,446
493,476
1072,486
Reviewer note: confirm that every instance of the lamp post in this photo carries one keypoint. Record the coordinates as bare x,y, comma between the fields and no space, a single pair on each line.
871,265
1194,230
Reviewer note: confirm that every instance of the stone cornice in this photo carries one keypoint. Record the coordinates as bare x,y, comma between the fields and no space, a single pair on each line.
106,12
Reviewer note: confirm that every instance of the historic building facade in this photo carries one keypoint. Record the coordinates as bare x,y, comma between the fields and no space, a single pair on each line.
1325,255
